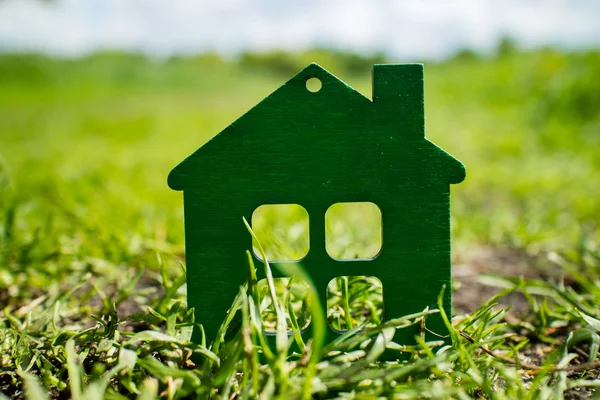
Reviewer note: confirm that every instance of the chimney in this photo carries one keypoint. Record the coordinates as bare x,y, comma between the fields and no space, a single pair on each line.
398,96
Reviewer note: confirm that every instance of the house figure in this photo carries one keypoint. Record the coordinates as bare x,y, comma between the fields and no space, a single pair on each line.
315,149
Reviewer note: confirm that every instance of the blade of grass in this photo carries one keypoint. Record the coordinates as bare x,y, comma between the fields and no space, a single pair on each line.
345,302
293,320
74,369
33,388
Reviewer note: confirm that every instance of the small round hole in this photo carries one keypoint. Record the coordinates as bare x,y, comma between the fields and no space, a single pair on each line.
313,84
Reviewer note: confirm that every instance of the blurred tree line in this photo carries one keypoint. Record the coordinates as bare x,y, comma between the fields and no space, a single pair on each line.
285,63
565,84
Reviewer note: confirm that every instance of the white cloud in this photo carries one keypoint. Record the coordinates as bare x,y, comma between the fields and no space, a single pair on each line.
404,28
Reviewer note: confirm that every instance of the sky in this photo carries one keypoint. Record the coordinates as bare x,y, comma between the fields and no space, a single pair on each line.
402,29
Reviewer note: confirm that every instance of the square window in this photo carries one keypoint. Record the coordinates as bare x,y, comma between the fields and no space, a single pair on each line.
354,300
353,231
282,231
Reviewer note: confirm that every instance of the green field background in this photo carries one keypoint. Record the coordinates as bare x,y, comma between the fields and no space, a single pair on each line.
93,139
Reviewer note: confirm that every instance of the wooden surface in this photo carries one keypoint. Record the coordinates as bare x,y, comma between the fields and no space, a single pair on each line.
316,149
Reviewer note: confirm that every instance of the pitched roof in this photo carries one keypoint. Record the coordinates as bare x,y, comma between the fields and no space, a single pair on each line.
280,99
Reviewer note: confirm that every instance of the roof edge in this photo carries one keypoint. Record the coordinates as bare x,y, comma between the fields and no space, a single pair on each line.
455,170
174,178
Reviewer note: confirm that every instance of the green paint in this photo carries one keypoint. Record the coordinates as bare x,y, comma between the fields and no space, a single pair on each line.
316,149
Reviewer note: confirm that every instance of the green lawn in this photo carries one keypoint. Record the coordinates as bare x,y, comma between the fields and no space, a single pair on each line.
92,283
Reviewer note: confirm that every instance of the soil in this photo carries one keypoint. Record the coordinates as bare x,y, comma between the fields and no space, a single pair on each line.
468,266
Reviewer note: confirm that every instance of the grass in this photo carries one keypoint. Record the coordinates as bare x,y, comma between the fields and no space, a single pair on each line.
92,284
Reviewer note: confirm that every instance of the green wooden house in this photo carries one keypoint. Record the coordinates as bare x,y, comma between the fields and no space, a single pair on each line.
315,149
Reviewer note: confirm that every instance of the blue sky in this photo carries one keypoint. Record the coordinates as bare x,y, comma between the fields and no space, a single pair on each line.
404,28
